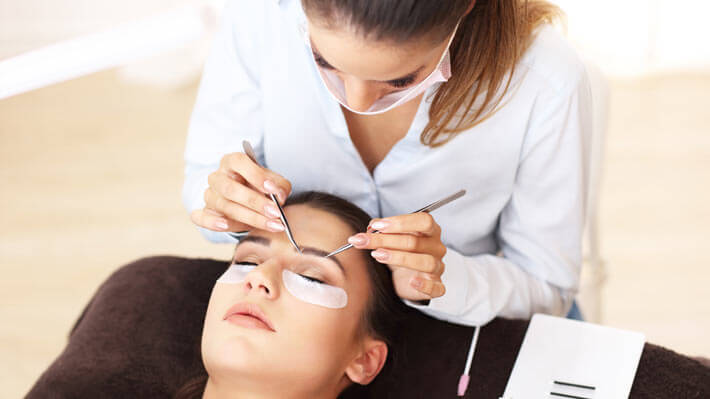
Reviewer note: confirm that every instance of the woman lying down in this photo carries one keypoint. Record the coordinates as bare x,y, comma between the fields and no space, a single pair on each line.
280,324
138,336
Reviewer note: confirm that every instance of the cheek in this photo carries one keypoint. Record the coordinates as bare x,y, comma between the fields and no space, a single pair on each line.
224,347
211,329
218,300
324,336
222,297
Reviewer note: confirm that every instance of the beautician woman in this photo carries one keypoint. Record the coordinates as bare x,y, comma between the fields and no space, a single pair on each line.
394,104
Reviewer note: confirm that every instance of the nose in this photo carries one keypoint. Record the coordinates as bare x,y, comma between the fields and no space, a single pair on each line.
264,280
360,95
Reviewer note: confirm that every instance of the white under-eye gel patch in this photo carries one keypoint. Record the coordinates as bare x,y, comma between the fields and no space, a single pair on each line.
313,292
235,274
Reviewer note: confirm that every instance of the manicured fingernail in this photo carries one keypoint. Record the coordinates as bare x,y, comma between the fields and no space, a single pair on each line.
271,187
417,283
221,224
380,225
272,211
274,225
358,239
380,254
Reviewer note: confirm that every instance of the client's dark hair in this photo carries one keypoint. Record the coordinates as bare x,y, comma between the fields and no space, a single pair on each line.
384,310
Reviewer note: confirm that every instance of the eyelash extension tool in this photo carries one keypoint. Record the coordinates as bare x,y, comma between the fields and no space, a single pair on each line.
250,153
427,209
466,376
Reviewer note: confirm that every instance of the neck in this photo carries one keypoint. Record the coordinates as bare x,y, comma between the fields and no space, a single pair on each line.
214,390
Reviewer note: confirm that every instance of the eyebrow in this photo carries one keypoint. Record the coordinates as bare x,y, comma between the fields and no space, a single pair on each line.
408,76
306,250
255,240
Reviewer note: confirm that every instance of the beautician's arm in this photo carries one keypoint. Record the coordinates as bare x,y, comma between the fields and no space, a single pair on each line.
540,229
228,107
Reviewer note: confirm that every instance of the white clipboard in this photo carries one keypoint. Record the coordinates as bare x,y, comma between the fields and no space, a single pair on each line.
562,358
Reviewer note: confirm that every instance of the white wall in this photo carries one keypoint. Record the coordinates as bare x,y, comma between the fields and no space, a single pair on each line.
159,42
30,24
637,37
624,37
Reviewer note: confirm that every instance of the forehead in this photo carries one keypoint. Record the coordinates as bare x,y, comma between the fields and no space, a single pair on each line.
312,228
320,229
351,53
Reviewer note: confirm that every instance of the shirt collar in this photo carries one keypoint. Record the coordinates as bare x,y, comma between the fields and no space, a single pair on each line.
293,9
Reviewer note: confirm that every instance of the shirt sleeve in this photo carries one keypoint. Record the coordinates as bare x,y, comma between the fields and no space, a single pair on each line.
540,229
228,105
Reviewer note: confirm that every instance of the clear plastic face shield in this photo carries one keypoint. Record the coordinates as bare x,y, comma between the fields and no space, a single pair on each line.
336,86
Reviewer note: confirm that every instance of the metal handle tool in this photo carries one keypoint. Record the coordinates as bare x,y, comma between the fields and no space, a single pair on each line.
429,208
250,153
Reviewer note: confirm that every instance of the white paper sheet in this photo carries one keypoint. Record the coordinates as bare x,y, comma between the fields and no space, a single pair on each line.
562,358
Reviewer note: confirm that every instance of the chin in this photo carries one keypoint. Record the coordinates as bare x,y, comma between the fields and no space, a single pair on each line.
233,355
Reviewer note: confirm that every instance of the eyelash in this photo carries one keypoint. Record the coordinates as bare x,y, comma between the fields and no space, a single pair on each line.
321,62
246,263
307,278
399,83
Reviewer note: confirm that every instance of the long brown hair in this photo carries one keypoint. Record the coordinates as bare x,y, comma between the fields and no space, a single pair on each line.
489,41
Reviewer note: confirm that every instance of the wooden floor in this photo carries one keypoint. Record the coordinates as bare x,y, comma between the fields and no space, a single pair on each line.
91,172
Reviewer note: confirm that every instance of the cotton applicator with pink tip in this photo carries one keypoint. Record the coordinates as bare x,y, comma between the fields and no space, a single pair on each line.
463,381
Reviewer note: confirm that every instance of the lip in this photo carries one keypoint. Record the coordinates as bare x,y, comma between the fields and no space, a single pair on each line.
248,315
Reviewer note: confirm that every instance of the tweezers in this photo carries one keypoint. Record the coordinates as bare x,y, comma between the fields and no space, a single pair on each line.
250,153
429,208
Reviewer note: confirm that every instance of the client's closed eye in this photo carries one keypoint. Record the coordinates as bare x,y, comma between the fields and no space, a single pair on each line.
304,276
246,263
312,279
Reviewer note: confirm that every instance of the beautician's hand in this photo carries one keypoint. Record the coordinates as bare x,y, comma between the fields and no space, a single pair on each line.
411,246
235,199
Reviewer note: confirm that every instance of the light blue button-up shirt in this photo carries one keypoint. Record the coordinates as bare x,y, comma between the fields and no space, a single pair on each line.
514,241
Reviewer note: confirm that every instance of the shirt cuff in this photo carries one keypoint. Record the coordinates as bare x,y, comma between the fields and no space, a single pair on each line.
455,278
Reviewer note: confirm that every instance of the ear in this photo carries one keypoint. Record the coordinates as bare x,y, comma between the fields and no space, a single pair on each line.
365,367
